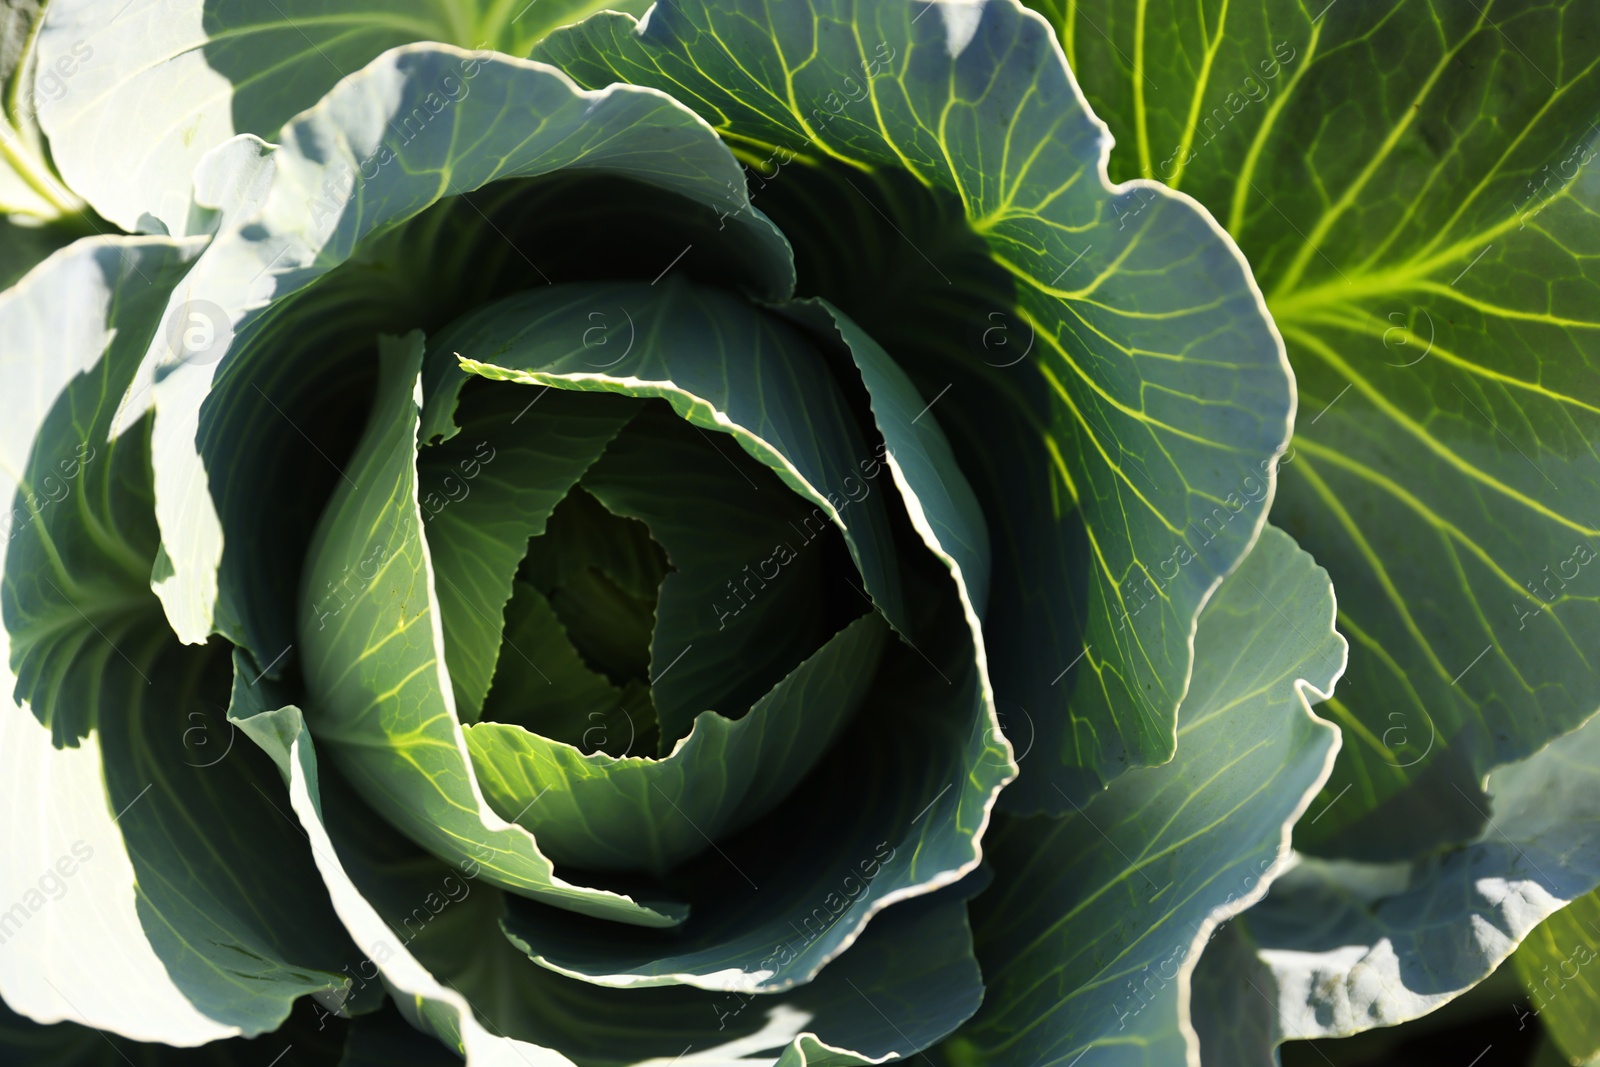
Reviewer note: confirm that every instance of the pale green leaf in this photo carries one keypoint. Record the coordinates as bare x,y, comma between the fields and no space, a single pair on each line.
221,900
378,689
145,89
1342,946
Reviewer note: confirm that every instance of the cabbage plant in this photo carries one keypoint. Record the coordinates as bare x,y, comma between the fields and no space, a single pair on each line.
797,532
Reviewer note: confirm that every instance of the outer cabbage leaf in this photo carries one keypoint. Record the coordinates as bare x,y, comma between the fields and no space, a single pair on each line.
114,978
155,85
28,183
196,921
1154,392
1414,188
1090,939
429,1005
1338,947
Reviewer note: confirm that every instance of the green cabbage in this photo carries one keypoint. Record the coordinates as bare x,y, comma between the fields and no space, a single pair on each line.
717,532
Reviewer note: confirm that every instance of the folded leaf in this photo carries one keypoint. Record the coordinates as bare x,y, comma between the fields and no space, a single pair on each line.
728,369
380,696
762,577
905,983
723,366
1343,946
722,637
1090,939
596,812
716,361
564,699
202,911
898,808
430,1006
479,530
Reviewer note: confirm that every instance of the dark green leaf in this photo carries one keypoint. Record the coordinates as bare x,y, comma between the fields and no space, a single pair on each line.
479,516
1153,393
1412,184
1091,937
583,535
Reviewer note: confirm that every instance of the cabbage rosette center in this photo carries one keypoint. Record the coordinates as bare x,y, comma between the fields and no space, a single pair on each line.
615,611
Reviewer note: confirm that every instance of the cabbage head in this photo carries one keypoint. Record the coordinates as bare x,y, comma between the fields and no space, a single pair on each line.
736,532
